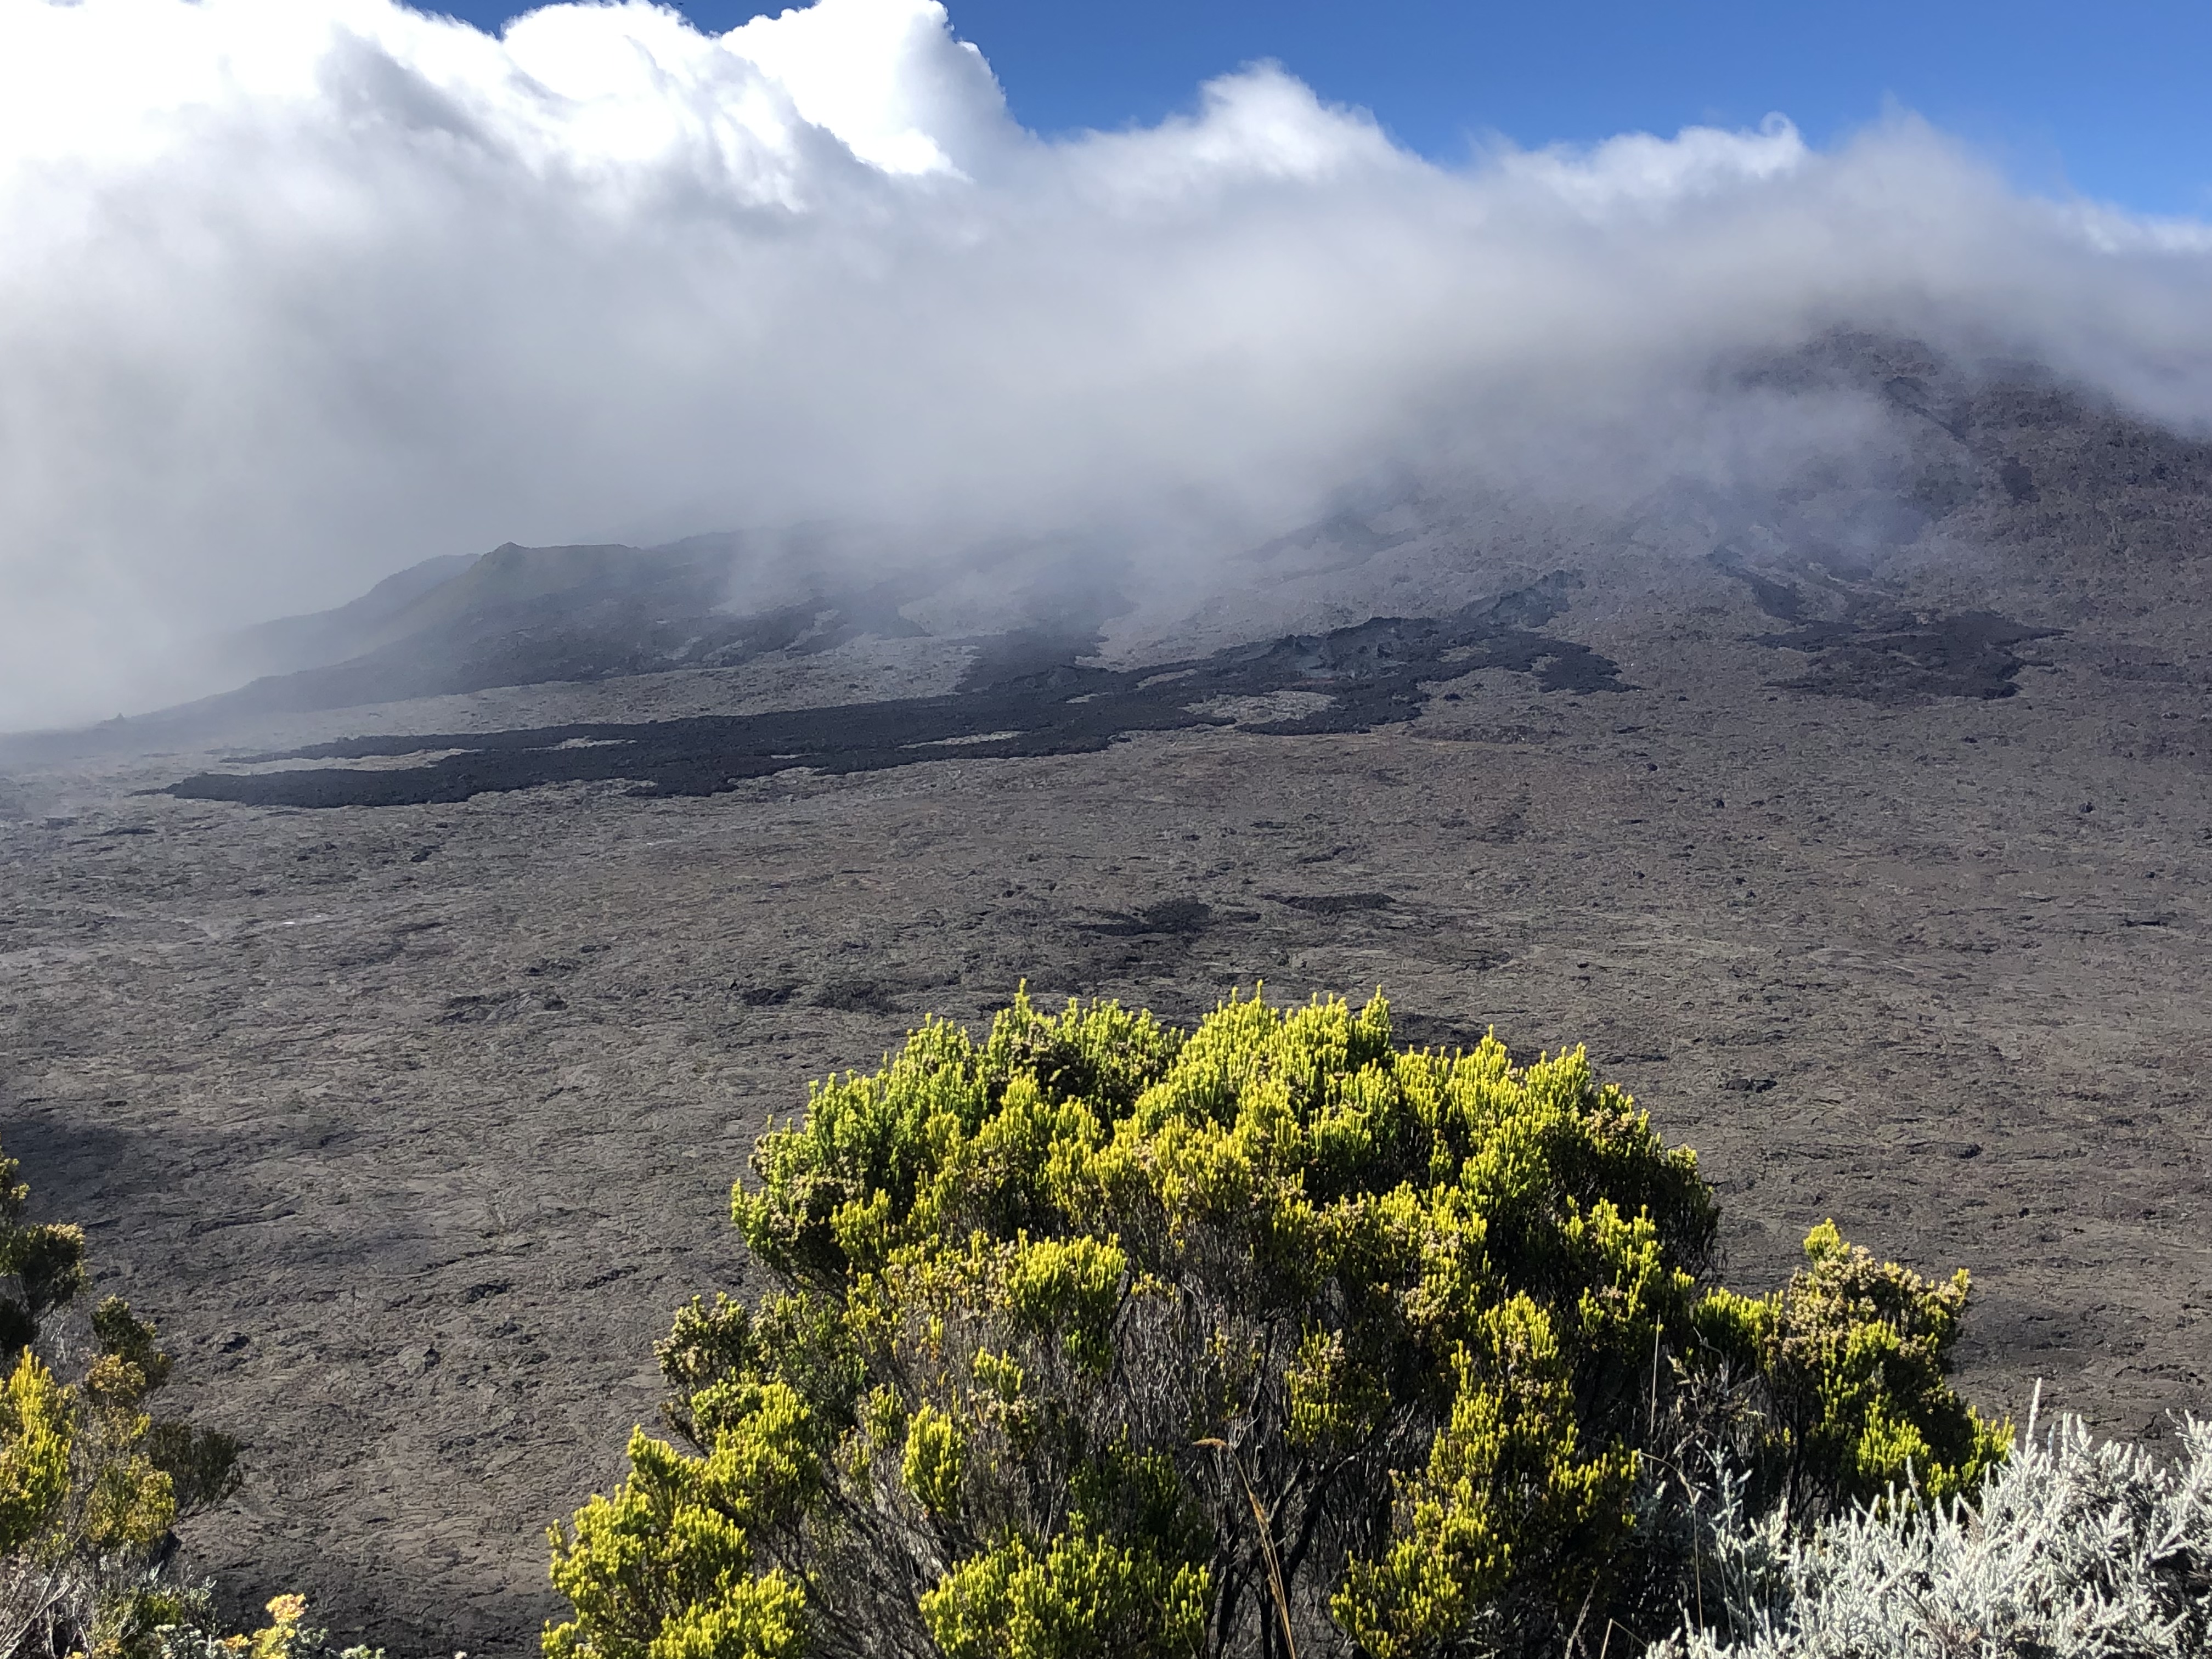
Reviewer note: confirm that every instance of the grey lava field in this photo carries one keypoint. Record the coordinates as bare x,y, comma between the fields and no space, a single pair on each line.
396,1023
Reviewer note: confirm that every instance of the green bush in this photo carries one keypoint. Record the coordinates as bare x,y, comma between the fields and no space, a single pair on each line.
1852,1353
90,1483
1101,1338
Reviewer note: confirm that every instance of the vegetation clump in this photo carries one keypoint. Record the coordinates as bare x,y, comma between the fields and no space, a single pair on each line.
2072,1548
286,1636
1098,1336
91,1483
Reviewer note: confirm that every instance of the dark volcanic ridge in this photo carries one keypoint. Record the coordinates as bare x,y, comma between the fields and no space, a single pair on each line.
1349,679
529,615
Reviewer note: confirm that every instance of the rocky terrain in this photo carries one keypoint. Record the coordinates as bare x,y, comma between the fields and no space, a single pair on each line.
398,1054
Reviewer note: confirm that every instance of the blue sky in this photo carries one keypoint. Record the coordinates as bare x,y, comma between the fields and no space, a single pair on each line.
2112,100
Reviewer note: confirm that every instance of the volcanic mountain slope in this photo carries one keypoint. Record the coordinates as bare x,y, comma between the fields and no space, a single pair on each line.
524,615
1997,486
399,1056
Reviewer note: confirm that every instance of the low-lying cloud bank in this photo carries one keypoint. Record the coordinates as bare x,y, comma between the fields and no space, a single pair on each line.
296,292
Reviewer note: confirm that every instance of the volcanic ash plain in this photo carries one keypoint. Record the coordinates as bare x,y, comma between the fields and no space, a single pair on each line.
399,1059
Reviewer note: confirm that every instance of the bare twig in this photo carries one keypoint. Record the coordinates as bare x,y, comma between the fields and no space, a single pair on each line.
1267,1543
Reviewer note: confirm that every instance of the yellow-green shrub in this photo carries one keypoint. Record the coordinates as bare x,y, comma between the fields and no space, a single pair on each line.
36,1428
90,1483
1853,1353
1101,1338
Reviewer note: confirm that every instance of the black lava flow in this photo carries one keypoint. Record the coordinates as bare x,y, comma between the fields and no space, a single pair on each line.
1912,660
1372,674
1877,652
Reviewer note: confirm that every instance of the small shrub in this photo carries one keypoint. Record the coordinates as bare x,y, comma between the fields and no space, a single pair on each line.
2071,1549
1097,1337
1851,1355
286,1636
90,1483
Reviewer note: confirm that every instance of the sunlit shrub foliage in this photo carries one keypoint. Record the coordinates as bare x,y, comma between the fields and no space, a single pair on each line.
1836,1350
1097,1337
90,1482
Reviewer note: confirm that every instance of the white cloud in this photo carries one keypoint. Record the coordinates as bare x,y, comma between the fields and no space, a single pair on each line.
296,292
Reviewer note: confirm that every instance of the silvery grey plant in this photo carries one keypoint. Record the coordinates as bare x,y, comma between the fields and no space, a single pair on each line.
2073,1548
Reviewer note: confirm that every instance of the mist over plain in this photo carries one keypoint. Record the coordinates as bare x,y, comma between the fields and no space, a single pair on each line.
296,293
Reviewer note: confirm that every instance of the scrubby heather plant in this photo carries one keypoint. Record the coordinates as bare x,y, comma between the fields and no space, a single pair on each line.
286,1636
1837,1350
90,1483
1101,1338
2071,1549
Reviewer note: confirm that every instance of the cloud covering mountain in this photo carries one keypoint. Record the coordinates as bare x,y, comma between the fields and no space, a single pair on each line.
293,293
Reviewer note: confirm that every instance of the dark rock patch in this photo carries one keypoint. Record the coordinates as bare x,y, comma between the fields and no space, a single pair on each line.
1503,830
1968,654
1332,904
1777,599
1182,918
1441,1032
857,996
1873,649
1023,652
1475,958
485,1008
766,996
